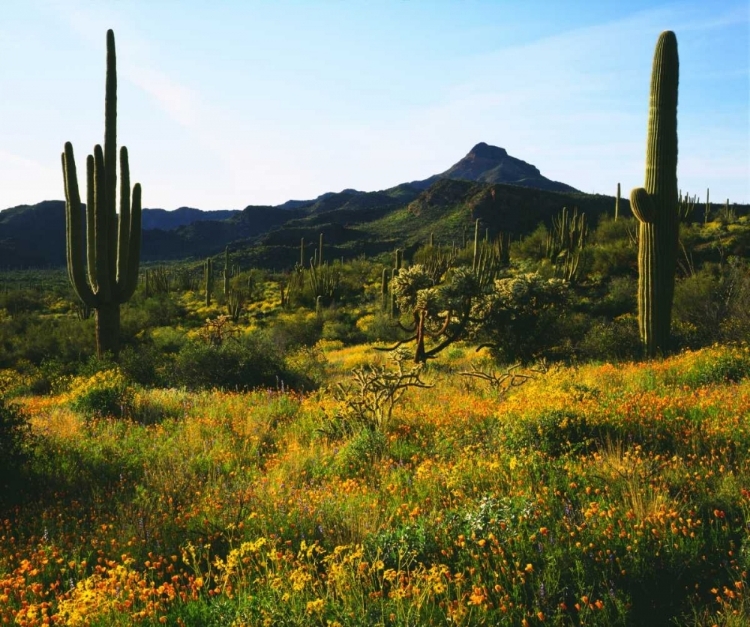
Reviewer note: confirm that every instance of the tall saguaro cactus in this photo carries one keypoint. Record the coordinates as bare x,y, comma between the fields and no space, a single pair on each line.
113,246
655,205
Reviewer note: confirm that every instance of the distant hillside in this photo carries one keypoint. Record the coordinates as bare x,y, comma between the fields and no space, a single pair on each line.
33,235
505,193
449,208
168,220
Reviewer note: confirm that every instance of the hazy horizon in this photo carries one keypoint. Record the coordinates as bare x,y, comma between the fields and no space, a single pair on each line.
257,103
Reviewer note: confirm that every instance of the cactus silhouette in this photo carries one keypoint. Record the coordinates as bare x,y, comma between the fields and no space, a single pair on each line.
617,203
112,248
208,280
226,271
655,205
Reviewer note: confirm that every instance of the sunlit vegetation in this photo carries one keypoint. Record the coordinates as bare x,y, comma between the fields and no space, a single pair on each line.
274,465
598,495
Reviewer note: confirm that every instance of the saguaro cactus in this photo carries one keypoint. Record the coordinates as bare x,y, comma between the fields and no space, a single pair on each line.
112,248
655,205
384,289
226,271
476,246
617,203
208,280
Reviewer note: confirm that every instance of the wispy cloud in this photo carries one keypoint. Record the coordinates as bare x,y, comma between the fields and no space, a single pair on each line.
179,102
139,66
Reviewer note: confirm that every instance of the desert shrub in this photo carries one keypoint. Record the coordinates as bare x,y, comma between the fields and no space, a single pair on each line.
33,338
555,433
53,375
622,296
713,304
237,364
614,340
156,311
17,302
357,457
700,301
168,339
523,317
342,328
712,367
105,393
306,367
15,440
145,364
611,231
299,329
379,327
533,247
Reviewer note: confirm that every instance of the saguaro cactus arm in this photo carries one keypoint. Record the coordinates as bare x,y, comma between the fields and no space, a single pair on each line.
642,205
123,234
73,229
130,283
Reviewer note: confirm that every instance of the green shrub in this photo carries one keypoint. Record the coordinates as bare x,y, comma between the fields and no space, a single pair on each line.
713,305
15,440
614,250
358,456
306,368
554,433
145,364
300,329
106,393
712,367
614,340
533,247
234,365
524,316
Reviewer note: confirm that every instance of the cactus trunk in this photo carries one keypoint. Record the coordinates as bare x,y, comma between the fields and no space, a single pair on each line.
655,205
107,329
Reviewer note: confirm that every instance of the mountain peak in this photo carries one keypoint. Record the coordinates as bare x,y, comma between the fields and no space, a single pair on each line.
492,164
485,151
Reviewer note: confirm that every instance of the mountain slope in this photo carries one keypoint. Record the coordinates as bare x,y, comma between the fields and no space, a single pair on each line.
168,220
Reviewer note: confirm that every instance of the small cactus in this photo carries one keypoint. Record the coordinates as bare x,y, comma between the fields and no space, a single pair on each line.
208,277
617,203
226,271
476,245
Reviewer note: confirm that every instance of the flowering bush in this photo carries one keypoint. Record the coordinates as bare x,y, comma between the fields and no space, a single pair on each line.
106,393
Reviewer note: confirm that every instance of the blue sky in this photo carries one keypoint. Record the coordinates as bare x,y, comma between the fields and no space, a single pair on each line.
228,103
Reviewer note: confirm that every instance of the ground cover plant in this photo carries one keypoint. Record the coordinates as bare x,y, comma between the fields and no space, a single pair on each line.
594,495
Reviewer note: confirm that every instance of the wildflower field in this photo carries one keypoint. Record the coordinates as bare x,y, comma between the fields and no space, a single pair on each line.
592,495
